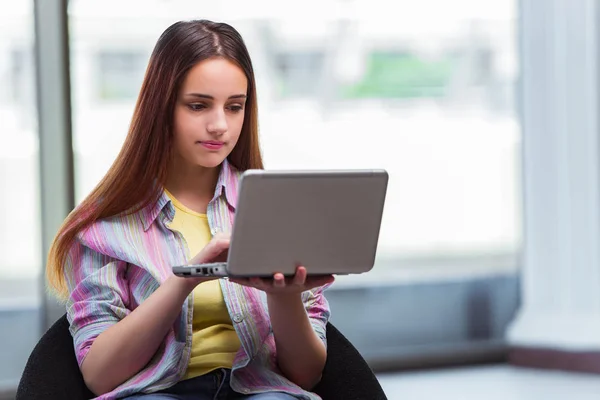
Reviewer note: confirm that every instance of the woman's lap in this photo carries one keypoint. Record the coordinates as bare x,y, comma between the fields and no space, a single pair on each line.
167,396
200,388
269,396
207,387
196,396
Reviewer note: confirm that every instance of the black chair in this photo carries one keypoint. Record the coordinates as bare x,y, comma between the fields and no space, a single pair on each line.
52,373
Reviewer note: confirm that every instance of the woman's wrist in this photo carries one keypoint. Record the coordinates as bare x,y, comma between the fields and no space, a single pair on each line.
284,298
184,286
187,285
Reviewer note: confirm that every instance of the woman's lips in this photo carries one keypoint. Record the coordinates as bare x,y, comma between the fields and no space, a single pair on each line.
212,145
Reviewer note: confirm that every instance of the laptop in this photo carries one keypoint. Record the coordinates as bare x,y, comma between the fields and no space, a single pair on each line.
327,221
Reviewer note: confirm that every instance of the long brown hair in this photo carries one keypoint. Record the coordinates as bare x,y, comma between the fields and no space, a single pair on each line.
136,178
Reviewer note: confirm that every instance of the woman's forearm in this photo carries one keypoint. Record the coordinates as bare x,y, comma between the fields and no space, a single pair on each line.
301,354
126,347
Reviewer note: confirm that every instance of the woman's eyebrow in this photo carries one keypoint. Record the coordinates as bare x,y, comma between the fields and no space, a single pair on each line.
208,96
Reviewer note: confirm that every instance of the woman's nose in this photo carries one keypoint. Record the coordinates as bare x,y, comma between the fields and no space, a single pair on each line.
218,123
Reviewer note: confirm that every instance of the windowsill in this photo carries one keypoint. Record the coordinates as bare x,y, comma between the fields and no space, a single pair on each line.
427,272
7,392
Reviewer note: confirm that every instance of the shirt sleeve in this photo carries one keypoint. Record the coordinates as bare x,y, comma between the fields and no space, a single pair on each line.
98,294
317,308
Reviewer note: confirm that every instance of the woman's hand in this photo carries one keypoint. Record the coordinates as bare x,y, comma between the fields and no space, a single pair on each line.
301,354
214,251
280,285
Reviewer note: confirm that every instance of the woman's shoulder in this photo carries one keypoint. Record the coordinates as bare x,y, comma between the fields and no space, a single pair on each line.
114,241
105,234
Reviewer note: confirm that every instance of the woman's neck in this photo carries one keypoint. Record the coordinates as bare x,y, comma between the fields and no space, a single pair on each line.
193,186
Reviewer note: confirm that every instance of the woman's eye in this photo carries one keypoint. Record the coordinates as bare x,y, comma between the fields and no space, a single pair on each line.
235,108
196,107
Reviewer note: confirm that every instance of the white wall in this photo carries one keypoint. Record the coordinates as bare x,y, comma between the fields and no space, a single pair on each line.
561,271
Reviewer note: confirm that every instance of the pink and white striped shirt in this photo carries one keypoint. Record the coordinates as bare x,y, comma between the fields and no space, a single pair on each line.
118,262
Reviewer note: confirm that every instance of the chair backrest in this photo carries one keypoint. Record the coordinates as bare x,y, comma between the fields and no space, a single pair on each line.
52,373
346,375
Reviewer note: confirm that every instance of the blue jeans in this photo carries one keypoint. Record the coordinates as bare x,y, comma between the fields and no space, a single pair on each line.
212,386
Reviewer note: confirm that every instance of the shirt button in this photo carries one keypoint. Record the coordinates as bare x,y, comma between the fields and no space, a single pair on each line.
238,318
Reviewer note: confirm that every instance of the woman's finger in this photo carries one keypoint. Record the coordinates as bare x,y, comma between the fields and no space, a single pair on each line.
215,250
257,282
300,276
239,281
278,280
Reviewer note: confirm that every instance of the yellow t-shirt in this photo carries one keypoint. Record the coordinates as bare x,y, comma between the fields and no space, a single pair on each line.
214,341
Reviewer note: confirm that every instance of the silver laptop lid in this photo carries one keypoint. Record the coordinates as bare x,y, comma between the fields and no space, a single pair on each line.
328,221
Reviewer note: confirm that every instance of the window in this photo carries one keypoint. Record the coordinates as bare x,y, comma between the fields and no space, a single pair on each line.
433,104
298,73
16,70
20,242
10,68
391,75
120,74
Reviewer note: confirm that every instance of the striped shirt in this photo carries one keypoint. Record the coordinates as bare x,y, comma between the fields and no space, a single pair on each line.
118,262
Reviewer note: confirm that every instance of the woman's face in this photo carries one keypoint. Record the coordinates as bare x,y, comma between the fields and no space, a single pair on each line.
209,112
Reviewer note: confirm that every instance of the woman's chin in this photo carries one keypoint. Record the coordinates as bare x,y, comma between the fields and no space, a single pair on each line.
210,162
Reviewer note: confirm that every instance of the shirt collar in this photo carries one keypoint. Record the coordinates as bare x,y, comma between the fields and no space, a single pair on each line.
227,185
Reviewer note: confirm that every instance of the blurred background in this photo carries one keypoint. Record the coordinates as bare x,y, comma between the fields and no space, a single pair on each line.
483,113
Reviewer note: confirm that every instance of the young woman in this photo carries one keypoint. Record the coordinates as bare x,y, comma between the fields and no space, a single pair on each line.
139,331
